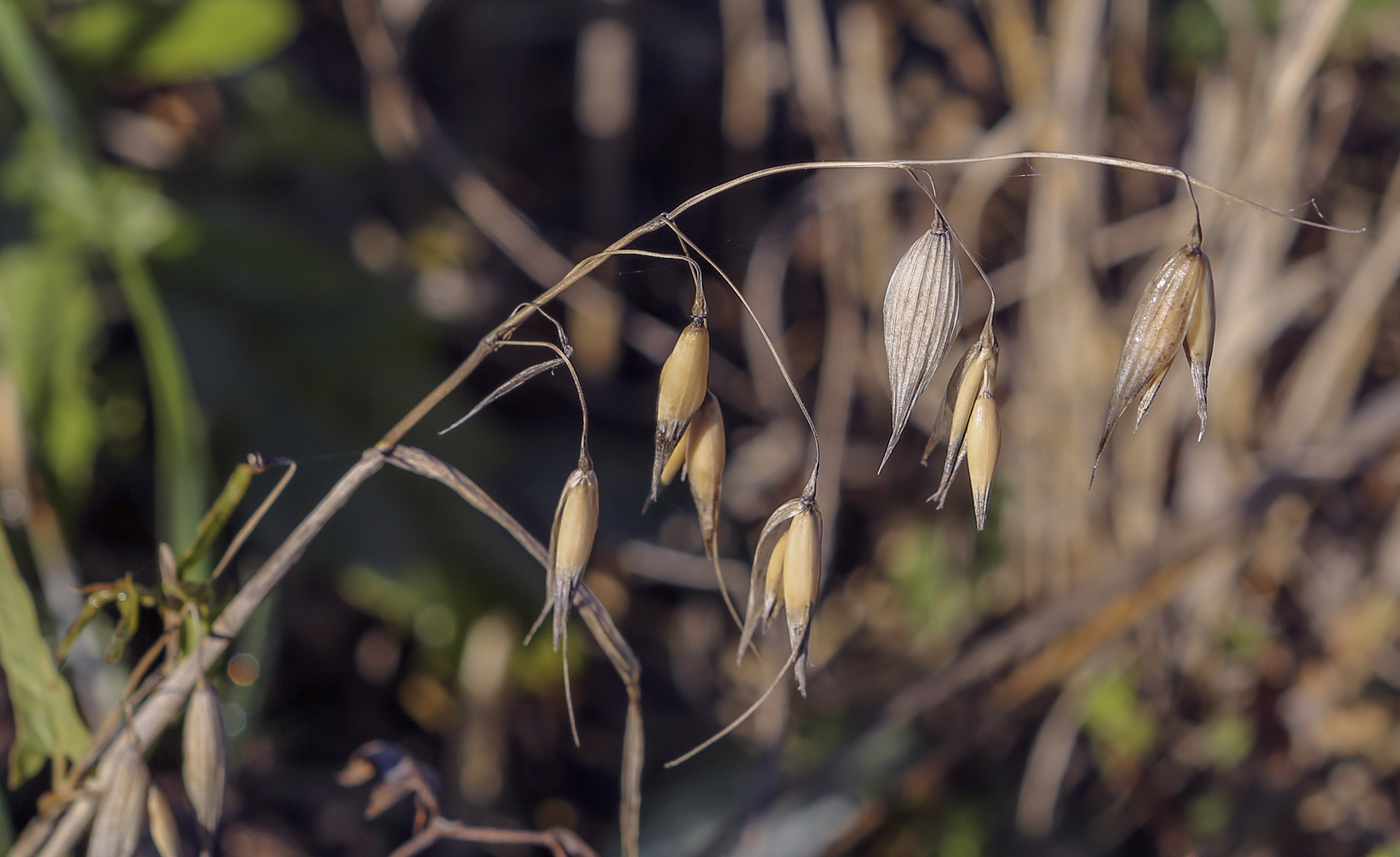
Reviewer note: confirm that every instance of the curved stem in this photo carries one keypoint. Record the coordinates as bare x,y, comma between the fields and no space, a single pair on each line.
1102,160
777,679
578,386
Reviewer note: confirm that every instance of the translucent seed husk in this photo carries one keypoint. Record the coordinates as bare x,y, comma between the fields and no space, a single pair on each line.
121,810
676,463
923,309
684,377
705,467
773,580
1200,341
164,833
571,541
1159,325
205,755
975,373
983,447
773,531
802,570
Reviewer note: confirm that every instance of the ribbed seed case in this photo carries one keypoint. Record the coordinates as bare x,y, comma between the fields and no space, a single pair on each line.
121,810
923,310
205,762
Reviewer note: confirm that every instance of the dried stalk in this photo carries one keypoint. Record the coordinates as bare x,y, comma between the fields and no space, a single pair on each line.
599,623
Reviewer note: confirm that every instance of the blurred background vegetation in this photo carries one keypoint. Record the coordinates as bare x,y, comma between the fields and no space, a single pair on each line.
230,226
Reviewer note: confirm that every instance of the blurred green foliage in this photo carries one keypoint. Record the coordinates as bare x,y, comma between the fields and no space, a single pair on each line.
1122,730
46,719
162,43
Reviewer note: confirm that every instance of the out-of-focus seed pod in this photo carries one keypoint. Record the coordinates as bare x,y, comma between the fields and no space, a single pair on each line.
676,463
1159,325
1200,341
983,447
206,755
121,810
684,377
705,467
768,540
975,373
571,540
164,833
923,309
802,572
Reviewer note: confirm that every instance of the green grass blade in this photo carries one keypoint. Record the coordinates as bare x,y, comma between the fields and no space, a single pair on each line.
47,724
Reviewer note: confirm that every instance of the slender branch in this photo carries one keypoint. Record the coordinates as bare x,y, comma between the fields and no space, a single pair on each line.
559,841
165,701
1103,160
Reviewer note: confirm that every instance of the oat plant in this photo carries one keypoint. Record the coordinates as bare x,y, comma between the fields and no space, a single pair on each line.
108,789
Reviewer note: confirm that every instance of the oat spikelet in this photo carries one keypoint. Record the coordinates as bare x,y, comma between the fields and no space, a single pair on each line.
704,467
1200,341
684,377
206,755
983,448
121,810
773,581
676,463
923,309
802,572
571,541
975,374
164,832
787,571
704,470
789,560
1159,325
768,540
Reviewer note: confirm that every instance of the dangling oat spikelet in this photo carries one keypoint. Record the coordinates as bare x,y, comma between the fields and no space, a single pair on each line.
684,377
787,565
121,810
774,529
789,560
205,761
164,833
976,372
923,309
983,447
571,543
1200,342
802,571
1161,321
704,467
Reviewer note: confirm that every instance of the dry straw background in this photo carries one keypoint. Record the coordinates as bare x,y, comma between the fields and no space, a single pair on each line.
1200,655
